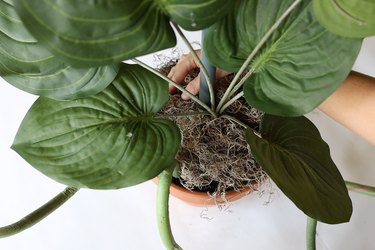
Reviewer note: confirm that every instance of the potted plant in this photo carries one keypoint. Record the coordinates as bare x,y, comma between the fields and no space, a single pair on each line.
96,124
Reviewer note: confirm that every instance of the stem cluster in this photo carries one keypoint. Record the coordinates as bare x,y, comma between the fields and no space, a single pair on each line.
230,95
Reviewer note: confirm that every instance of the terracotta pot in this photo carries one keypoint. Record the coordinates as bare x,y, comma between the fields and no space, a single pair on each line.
202,199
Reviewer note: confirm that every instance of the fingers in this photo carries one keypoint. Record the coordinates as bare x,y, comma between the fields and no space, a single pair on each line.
178,73
192,87
221,73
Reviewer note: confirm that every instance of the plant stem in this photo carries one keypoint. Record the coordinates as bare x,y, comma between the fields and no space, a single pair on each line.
176,85
359,188
162,209
311,233
200,63
255,50
241,82
235,120
39,214
228,103
183,114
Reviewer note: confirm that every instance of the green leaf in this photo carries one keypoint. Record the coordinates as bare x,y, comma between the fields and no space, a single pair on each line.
88,33
350,18
298,67
107,141
196,14
97,32
27,65
294,155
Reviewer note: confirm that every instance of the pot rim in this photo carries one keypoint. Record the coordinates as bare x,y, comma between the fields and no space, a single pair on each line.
203,199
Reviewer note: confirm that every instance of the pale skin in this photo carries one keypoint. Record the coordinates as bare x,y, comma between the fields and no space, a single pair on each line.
182,68
352,104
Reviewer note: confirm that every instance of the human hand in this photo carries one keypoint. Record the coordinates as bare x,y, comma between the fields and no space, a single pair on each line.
178,73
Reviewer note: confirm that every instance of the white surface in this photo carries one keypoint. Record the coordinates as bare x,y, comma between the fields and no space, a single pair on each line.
125,219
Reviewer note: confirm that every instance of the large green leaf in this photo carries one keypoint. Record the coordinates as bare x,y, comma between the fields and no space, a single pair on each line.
351,18
298,67
89,32
196,14
97,32
294,155
110,140
27,65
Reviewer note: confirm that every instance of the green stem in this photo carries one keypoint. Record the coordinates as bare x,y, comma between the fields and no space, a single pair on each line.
195,99
183,114
255,51
311,233
200,63
235,120
233,91
359,188
242,81
39,214
162,209
228,103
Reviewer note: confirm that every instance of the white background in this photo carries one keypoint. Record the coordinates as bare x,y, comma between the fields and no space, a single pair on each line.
125,219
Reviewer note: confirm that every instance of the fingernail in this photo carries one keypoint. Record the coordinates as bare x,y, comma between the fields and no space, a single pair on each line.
184,97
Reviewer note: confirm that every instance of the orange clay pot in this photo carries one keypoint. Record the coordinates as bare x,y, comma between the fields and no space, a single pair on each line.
202,199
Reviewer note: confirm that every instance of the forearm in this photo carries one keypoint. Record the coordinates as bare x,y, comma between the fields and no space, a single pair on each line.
353,105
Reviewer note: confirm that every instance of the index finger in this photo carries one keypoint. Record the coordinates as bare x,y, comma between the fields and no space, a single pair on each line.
178,72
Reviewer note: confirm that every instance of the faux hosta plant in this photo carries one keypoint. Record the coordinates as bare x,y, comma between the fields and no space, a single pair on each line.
96,124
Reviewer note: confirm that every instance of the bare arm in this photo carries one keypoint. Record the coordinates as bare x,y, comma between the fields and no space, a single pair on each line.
353,105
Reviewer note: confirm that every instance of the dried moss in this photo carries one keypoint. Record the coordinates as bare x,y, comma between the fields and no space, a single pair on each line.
214,154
